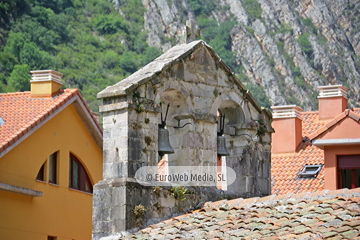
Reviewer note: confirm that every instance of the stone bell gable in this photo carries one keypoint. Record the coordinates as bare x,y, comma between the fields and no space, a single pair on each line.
198,86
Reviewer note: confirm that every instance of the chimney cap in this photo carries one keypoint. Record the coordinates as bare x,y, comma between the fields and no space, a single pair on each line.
332,91
46,75
286,111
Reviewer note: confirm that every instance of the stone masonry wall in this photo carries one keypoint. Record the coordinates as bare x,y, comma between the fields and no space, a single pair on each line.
196,88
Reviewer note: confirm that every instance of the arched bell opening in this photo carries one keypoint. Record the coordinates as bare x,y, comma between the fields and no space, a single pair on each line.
234,116
230,117
178,105
175,111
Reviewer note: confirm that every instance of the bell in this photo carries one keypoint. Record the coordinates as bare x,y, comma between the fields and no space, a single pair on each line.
221,146
164,146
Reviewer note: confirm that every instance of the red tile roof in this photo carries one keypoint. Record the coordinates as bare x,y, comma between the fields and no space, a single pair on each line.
286,167
315,215
21,113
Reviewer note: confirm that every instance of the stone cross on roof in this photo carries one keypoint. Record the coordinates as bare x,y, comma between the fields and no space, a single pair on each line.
191,31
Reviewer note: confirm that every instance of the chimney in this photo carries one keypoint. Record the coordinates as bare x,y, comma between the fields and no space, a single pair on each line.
332,101
45,83
287,123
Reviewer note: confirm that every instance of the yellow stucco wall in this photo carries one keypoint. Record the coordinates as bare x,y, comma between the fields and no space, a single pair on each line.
60,212
45,88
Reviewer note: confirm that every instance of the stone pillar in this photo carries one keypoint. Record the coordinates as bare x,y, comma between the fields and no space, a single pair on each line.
130,142
109,199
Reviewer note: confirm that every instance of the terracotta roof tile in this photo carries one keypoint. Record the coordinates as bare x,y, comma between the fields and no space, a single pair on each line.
21,113
291,217
286,167
354,116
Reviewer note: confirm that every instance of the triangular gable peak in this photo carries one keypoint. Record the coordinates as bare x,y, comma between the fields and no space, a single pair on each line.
344,129
175,55
38,111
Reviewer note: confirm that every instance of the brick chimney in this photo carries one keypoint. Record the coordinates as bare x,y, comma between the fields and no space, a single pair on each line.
332,101
287,123
45,83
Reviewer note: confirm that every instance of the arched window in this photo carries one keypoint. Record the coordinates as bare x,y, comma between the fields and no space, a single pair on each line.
53,168
78,178
41,174
50,167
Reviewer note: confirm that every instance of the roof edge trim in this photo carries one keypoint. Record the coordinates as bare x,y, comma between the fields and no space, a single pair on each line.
20,190
94,125
31,131
340,141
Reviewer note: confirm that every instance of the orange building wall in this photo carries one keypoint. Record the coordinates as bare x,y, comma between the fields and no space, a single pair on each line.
331,153
60,212
331,107
347,128
287,135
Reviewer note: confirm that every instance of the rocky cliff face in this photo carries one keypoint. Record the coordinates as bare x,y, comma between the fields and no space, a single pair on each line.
286,47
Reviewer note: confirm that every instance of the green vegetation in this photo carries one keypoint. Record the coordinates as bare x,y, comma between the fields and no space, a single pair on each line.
259,94
179,193
287,57
87,40
322,39
305,45
253,9
308,23
218,37
257,91
20,78
285,28
242,75
202,7
139,211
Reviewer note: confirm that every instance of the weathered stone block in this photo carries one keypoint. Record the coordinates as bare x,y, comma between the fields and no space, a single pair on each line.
250,184
101,229
239,185
168,202
263,185
115,170
118,197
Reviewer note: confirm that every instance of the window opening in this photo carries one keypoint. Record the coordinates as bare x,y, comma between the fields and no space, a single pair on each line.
53,168
78,178
310,171
41,174
348,171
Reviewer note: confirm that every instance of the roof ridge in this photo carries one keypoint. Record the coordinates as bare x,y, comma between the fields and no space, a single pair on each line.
15,93
272,199
168,59
334,121
310,112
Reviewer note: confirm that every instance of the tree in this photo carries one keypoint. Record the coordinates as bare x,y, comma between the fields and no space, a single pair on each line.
7,62
32,56
150,54
108,24
15,43
253,9
127,62
201,7
20,78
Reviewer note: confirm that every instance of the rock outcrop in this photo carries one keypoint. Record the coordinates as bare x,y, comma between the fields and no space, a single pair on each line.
271,49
